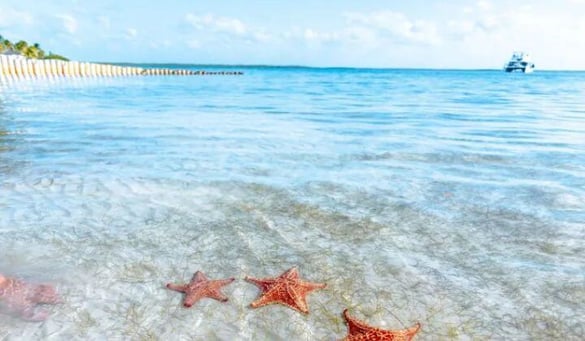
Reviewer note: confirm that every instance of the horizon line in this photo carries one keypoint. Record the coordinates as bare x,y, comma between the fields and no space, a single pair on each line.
328,67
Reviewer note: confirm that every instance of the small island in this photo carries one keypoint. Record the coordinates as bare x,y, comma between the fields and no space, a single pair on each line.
22,60
27,50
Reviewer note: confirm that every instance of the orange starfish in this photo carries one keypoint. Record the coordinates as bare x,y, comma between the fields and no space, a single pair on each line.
22,298
360,331
287,289
200,287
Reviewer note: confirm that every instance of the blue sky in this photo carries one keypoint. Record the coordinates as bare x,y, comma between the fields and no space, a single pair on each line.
362,33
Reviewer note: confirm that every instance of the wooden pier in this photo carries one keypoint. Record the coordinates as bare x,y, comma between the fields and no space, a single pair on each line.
19,67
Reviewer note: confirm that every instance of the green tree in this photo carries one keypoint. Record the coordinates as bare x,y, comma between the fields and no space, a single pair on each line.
33,51
7,45
21,46
29,51
39,52
52,55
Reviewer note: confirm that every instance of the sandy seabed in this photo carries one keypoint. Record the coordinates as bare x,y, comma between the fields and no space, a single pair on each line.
111,245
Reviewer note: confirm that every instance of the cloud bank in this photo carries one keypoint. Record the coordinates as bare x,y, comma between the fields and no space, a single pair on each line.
477,35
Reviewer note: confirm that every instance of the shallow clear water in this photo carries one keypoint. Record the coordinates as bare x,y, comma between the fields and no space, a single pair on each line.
453,198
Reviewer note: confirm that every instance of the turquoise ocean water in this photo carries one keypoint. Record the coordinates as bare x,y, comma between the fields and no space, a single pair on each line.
453,198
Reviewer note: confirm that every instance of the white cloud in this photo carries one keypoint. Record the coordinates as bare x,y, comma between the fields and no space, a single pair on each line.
194,43
350,36
553,37
460,29
484,5
230,25
397,26
489,23
369,31
131,33
217,24
68,22
361,35
165,44
231,29
10,17
261,36
104,22
312,35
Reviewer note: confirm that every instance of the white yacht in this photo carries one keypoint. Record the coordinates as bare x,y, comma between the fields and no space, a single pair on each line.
520,61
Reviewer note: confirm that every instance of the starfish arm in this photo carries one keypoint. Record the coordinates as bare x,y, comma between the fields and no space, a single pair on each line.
177,287
13,288
223,282
45,294
298,298
198,277
410,332
192,297
394,335
28,313
356,326
291,273
310,286
263,283
275,295
217,295
299,293
359,330
215,287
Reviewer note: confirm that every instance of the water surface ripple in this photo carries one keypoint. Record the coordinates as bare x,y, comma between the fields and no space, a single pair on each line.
453,198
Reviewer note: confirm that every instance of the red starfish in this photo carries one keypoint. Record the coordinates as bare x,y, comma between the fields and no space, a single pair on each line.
286,289
20,297
200,287
360,331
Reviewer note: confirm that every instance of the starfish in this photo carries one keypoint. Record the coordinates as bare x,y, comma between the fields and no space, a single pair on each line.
287,289
360,331
22,298
200,287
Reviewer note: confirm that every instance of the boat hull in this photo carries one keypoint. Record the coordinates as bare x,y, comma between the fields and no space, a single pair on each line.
524,70
520,62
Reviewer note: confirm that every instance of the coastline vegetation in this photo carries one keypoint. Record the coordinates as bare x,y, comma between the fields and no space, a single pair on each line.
23,48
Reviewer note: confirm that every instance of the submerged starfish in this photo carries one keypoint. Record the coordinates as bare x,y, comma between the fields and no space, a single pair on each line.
287,289
200,287
360,331
22,298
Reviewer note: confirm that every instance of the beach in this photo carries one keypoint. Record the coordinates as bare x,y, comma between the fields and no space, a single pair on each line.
451,198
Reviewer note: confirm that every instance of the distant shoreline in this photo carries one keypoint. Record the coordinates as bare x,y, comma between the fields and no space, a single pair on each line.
20,67
269,66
